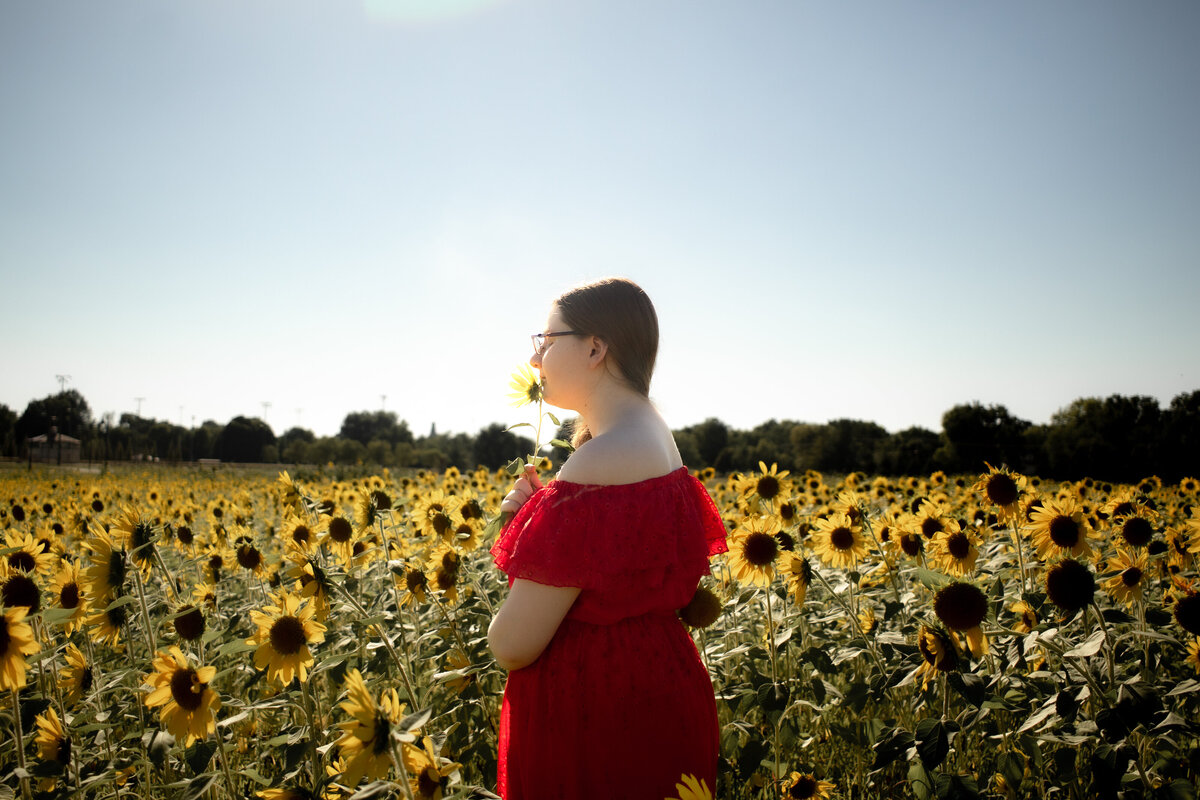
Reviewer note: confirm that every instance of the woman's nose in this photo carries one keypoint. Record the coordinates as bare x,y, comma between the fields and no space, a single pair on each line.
535,360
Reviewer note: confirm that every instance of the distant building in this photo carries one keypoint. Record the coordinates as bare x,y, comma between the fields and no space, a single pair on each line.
53,448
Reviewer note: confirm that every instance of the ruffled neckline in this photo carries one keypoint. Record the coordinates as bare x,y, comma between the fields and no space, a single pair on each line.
674,474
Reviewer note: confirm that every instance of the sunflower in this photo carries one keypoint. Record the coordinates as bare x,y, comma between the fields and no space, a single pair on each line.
1193,653
314,581
798,573
140,535
437,513
691,788
954,551
526,387
1137,529
804,787
67,592
340,537
939,653
189,622
1126,584
16,642
839,542
366,737
27,554
1187,611
429,774
931,518
106,625
19,588
416,583
1070,585
106,576
285,631
1027,618
702,610
1059,529
187,700
753,550
1003,490
290,494
76,678
53,743
300,532
962,607
770,485
287,793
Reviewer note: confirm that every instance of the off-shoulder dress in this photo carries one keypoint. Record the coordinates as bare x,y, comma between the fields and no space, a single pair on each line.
619,704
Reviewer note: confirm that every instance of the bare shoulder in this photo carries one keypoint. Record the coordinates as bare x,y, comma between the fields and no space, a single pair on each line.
625,456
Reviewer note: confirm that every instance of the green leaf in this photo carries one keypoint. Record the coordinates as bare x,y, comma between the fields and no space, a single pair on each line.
887,750
515,467
198,755
123,600
933,742
415,720
934,580
562,444
198,787
553,419
1088,648
253,774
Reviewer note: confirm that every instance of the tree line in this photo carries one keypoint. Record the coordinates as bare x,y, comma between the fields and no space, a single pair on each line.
1117,438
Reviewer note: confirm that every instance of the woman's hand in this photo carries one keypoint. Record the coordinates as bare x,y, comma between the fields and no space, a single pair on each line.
522,490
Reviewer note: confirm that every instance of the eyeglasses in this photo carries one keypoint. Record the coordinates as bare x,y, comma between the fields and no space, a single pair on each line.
539,339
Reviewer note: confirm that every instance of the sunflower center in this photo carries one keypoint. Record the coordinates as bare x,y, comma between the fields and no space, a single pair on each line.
767,487
441,523
805,787
760,549
1137,531
23,561
842,538
85,679
414,579
383,733
190,624
1131,577
1064,531
20,590
931,526
1070,585
340,530
427,785
1187,613
301,534
961,606
69,596
249,556
1001,489
116,568
184,534
287,635
958,545
116,616
910,544
1122,509
786,542
187,689
4,637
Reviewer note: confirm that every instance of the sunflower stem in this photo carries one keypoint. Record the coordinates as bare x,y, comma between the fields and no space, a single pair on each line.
313,756
1016,536
1108,645
398,757
412,695
145,611
16,703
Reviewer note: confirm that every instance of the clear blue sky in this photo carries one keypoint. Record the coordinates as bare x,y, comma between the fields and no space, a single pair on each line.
872,210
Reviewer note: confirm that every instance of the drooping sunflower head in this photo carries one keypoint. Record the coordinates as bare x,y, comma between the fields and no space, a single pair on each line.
802,786
702,610
365,742
1070,585
939,652
1187,612
140,535
16,642
52,740
19,588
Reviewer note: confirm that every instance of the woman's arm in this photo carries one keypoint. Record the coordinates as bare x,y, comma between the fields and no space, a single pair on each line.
527,621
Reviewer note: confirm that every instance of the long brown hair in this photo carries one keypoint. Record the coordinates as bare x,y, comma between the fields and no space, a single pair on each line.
619,312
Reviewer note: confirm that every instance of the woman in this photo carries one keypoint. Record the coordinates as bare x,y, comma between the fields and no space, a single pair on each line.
606,694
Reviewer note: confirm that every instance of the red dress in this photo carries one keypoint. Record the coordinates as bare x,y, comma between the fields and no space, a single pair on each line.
619,704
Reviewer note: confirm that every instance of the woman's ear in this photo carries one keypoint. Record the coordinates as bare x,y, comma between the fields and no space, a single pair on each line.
598,350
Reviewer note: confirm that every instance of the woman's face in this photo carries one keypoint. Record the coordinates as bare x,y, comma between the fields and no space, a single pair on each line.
563,364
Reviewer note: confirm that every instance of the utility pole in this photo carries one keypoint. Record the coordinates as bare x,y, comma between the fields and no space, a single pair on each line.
62,382
139,402
382,402
266,404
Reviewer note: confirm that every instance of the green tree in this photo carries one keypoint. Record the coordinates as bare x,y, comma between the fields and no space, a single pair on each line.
67,411
494,446
908,452
1116,439
8,431
973,434
363,426
243,440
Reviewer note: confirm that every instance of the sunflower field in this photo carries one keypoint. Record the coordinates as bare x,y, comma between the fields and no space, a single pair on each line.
220,633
